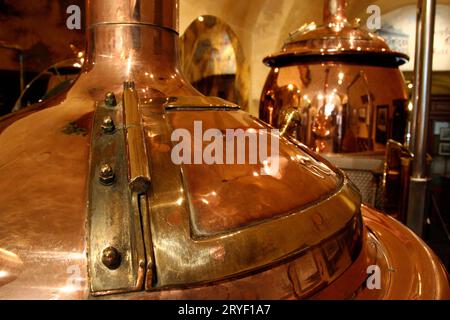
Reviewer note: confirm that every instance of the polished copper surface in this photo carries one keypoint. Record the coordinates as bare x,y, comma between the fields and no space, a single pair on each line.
328,87
43,224
195,244
406,269
333,107
46,148
335,39
241,195
58,222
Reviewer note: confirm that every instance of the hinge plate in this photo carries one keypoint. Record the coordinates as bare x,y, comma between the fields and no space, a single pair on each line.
114,218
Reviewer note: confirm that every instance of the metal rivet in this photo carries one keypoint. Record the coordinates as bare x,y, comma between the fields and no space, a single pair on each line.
106,175
111,258
110,99
108,125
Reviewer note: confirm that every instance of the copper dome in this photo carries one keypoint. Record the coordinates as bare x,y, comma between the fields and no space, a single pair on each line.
335,40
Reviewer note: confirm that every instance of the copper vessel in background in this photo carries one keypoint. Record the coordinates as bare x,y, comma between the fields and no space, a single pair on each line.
337,88
93,206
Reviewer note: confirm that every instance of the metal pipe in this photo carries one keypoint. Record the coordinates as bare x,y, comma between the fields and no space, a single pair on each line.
133,40
158,13
334,11
416,94
132,32
418,191
422,89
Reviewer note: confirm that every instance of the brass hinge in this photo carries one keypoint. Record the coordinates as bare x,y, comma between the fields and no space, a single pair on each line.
119,178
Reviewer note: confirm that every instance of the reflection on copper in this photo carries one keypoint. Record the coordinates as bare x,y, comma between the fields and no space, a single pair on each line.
10,266
301,277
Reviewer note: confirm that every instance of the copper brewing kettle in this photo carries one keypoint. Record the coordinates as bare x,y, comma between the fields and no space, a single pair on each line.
336,87
93,206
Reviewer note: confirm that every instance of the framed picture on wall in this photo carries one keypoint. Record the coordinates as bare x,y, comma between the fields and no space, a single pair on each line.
445,134
444,149
381,124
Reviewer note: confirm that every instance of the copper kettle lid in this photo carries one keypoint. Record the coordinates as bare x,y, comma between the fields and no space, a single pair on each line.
336,40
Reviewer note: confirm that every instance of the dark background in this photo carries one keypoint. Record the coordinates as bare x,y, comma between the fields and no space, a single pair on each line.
39,27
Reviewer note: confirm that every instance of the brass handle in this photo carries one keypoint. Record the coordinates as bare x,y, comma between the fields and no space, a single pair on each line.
139,173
